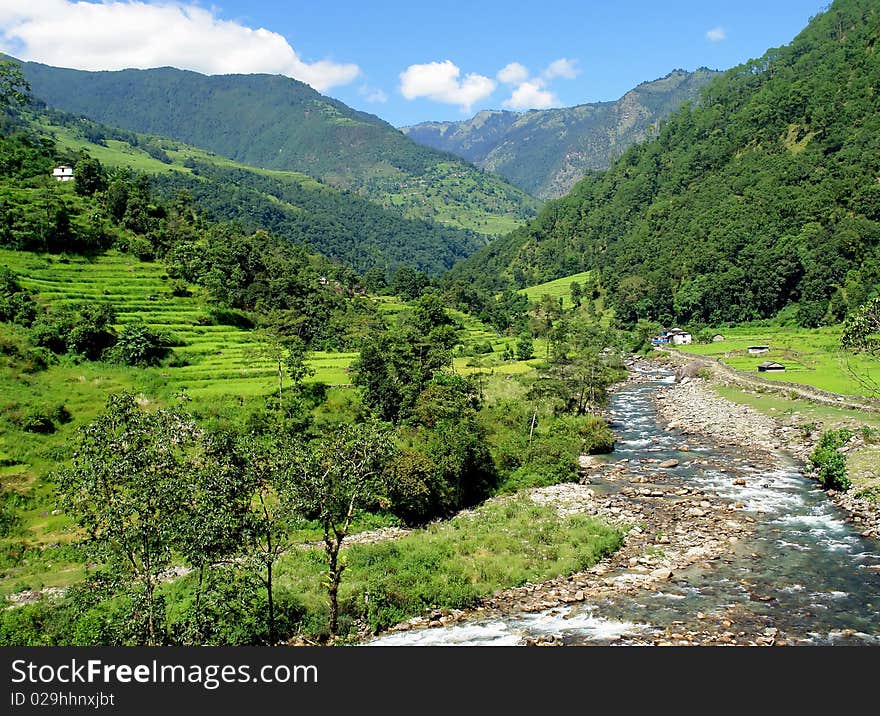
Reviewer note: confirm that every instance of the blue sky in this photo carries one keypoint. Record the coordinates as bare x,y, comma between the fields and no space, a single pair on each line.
406,61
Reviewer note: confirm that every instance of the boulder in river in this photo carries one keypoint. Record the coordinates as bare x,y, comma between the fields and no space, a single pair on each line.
668,463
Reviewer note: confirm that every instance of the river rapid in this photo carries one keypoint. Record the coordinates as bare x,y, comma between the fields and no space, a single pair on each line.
801,575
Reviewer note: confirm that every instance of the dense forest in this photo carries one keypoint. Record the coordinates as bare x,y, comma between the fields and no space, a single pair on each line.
763,198
545,152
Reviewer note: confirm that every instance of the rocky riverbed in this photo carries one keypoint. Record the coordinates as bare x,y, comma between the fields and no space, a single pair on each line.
669,528
725,543
692,406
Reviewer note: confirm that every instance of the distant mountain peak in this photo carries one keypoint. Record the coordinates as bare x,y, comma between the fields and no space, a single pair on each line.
545,152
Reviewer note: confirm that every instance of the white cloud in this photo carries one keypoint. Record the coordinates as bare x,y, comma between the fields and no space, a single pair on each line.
717,34
373,95
114,35
531,95
513,74
440,82
562,67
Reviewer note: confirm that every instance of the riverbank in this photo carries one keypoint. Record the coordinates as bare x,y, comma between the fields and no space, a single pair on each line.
694,407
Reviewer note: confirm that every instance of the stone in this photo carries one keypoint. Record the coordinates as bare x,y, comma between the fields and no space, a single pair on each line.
669,463
739,482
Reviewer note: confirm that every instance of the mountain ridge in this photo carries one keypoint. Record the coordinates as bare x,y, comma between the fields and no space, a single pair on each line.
275,122
545,152
762,199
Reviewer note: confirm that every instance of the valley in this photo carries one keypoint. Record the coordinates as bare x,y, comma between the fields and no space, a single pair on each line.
273,372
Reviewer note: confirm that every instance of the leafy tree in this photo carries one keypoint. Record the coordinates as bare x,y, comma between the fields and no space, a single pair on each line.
576,294
394,367
14,88
126,484
140,345
861,335
90,175
332,478
525,347
214,516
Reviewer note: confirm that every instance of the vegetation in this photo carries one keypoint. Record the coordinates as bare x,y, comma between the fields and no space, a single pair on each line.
760,197
275,122
830,462
545,152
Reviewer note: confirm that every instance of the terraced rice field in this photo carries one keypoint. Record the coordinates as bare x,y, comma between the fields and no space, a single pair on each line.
561,287
217,359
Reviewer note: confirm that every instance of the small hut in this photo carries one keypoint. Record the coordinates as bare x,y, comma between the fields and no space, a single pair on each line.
771,367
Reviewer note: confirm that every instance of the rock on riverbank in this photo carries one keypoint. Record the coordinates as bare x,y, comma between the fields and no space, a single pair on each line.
692,406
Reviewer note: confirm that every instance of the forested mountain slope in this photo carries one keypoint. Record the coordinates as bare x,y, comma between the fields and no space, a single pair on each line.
545,152
765,196
337,223
275,122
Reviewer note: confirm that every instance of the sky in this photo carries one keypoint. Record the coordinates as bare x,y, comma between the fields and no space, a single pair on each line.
410,62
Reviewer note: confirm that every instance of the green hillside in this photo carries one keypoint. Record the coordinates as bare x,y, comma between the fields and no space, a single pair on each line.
545,152
558,288
338,224
276,122
764,196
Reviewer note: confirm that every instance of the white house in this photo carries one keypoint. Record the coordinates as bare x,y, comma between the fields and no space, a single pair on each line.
758,350
680,337
63,173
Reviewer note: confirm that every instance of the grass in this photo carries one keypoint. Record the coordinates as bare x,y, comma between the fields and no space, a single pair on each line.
559,287
453,564
811,356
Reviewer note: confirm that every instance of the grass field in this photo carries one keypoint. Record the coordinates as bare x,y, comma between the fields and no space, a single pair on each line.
810,356
559,287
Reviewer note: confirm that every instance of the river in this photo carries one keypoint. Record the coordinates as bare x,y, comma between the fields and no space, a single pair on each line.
802,576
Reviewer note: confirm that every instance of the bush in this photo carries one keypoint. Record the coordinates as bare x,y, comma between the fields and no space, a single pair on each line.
831,463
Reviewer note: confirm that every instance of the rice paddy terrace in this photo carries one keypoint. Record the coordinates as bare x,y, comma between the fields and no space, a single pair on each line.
212,358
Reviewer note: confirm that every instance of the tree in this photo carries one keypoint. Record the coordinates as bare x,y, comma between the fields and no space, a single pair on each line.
266,464
395,366
125,487
330,479
14,88
215,515
576,294
861,335
90,175
525,347
285,351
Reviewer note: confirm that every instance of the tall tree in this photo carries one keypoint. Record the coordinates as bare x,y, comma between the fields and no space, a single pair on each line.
333,477
14,88
125,486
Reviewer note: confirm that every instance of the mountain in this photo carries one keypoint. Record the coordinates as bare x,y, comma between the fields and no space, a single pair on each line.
337,223
274,122
764,198
545,152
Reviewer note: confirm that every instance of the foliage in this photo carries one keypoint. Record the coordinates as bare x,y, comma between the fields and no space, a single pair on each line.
137,484
140,345
14,88
396,365
829,461
331,479
761,196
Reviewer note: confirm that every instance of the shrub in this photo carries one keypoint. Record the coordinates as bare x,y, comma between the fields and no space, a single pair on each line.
831,463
